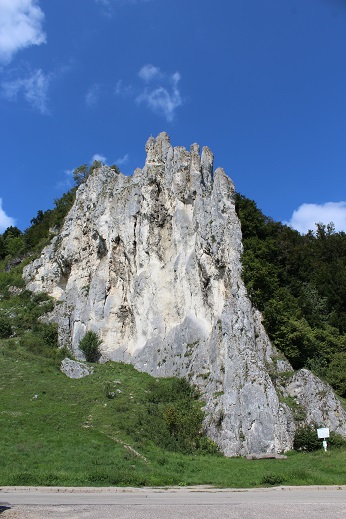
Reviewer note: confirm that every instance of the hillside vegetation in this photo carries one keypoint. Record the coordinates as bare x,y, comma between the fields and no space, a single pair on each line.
298,282
60,431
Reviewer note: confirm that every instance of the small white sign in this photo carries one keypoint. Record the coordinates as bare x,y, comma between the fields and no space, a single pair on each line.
323,432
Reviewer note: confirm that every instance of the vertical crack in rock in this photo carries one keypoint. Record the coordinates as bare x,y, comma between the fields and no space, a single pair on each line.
152,264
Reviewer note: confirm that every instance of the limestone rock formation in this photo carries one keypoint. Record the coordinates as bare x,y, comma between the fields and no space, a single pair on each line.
151,262
74,369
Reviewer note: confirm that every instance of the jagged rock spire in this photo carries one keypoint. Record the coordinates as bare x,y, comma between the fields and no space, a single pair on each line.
152,263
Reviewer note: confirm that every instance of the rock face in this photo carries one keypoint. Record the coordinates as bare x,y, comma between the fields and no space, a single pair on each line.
152,264
316,399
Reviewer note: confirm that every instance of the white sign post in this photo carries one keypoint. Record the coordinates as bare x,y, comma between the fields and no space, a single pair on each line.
323,433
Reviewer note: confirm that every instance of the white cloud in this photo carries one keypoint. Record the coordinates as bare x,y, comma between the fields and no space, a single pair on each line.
34,89
123,90
92,95
108,3
99,158
20,27
108,6
161,101
149,72
122,160
5,221
68,182
161,94
307,216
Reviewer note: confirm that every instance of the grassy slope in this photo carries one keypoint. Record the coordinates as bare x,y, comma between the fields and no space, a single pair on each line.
71,434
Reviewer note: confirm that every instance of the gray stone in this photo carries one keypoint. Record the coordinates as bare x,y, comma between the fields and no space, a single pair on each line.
15,291
74,369
152,264
318,400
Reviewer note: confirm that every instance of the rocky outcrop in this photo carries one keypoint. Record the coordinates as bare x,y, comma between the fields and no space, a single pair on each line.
316,400
74,369
152,264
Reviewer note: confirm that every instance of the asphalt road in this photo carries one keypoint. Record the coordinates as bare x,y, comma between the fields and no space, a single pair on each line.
189,503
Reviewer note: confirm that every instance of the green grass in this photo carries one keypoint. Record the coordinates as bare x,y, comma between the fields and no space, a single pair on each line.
74,434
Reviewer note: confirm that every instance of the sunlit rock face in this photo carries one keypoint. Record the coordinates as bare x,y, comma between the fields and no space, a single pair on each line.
151,262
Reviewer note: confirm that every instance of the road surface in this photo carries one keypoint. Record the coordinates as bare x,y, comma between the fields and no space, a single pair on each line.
173,503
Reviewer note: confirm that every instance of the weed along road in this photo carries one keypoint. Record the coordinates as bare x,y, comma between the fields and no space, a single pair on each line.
171,503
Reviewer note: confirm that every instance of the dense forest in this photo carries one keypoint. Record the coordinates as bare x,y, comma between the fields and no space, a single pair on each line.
298,282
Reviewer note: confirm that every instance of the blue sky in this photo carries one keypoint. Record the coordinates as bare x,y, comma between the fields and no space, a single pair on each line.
261,82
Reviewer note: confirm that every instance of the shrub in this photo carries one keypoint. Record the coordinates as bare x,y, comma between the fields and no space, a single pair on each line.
5,328
33,343
336,440
173,418
48,332
305,439
272,479
90,346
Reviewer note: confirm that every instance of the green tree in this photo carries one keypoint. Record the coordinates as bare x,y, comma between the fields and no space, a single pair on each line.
299,284
115,168
63,206
5,328
90,346
12,242
12,232
336,373
80,174
305,439
39,230
2,248
39,218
